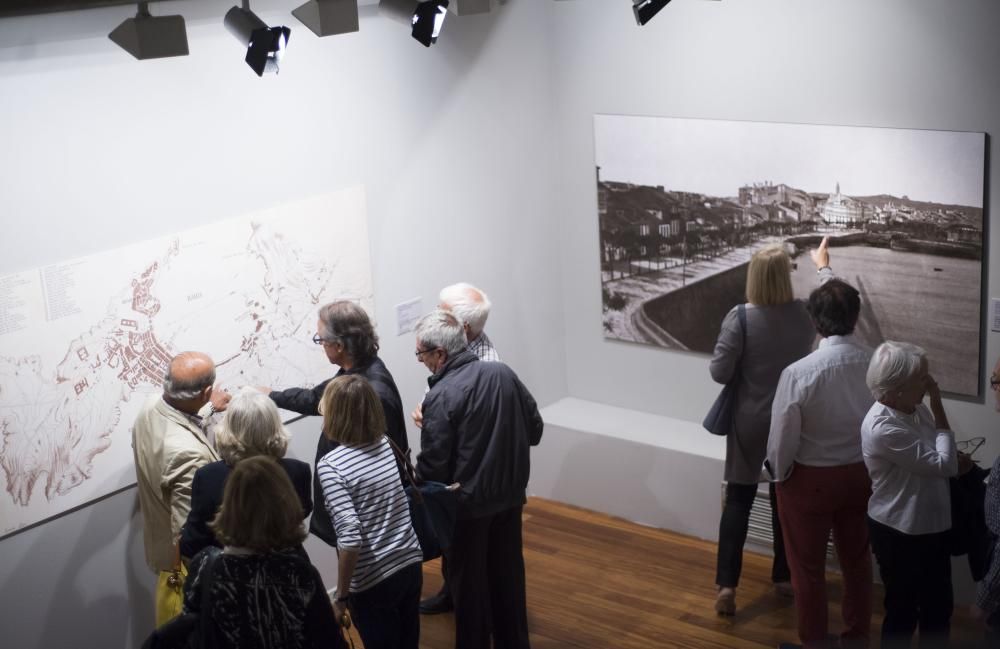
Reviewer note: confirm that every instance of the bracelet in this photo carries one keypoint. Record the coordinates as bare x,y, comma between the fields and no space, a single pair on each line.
341,600
827,267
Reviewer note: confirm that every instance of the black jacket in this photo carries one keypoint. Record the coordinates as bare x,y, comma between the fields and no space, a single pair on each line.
206,497
479,422
305,401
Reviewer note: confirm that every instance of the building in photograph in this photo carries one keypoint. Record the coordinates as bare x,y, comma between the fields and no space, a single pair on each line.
842,211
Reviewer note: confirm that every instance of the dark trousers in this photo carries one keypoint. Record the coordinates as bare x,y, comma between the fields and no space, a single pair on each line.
486,574
916,572
733,535
388,614
814,501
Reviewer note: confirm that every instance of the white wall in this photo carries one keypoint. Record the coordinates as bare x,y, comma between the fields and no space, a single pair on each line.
928,64
98,150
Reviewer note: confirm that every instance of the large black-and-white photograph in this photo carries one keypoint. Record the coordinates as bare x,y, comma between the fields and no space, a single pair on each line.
684,203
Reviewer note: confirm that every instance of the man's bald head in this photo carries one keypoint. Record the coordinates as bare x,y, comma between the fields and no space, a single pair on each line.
188,376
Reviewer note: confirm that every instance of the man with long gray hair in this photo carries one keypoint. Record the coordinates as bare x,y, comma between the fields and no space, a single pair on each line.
348,339
169,444
479,423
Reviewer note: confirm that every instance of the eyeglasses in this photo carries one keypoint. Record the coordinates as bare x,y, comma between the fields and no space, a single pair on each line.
970,446
318,339
420,352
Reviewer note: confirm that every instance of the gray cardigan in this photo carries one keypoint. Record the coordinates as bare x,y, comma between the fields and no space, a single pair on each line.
776,336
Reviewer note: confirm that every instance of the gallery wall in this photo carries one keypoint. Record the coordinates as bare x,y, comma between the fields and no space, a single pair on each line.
924,64
477,158
100,151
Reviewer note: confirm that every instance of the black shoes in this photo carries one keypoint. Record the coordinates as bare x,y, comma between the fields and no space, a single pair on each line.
440,603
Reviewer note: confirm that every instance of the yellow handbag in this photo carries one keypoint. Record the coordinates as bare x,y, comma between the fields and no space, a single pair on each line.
170,592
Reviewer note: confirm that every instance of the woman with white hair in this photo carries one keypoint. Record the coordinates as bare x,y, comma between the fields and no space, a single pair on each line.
251,427
910,453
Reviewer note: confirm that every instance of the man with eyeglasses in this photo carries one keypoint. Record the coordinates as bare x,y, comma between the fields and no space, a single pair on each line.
479,423
348,338
471,306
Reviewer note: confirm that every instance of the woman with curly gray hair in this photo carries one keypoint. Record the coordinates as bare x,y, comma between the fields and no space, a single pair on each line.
252,427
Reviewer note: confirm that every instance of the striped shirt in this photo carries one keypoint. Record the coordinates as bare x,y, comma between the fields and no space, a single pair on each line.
369,510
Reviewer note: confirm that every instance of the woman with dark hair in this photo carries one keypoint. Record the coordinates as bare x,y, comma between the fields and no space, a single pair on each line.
756,342
251,426
379,556
258,592
349,340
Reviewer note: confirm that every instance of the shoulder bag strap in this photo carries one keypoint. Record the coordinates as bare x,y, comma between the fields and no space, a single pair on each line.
741,315
408,470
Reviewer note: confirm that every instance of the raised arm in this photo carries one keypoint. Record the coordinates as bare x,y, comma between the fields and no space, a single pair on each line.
903,446
304,401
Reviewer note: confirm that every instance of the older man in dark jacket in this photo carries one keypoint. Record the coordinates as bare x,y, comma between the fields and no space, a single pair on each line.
479,422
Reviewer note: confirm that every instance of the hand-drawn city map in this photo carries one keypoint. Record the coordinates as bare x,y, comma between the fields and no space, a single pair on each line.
84,342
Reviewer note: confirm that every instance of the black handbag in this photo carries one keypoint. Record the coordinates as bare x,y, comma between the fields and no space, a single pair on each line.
720,417
433,508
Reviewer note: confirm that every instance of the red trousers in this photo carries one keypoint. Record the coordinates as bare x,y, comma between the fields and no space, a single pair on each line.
812,502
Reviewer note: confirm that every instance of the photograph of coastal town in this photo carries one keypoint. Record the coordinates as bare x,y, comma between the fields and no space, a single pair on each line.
684,203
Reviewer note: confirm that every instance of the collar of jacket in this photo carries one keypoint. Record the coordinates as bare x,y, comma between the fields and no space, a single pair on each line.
458,360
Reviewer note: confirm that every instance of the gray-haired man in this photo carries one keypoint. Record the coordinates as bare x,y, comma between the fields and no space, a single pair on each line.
479,423
471,306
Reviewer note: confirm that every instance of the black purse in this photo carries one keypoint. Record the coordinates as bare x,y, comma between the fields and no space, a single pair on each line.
433,508
721,416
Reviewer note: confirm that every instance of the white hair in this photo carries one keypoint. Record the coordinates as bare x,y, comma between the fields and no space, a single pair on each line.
252,426
469,304
441,329
892,365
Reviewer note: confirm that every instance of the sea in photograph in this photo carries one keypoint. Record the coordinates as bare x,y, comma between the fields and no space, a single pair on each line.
929,300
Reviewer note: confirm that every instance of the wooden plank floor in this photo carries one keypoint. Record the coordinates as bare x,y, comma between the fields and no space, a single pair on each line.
595,581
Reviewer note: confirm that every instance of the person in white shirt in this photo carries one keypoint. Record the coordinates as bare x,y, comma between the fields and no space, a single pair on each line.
910,454
814,453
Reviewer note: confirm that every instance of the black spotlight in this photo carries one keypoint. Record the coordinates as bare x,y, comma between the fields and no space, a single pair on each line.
265,45
425,16
645,9
151,37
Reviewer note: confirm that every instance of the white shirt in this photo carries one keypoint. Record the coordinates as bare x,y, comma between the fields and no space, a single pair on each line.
909,461
818,408
369,510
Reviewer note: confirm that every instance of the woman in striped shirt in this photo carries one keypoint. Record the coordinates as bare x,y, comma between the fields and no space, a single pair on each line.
379,576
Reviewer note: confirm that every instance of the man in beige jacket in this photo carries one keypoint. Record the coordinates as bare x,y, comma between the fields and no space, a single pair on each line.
169,443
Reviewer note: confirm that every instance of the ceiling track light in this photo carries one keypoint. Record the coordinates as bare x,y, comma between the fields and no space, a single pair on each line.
265,45
329,17
151,37
425,16
645,9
